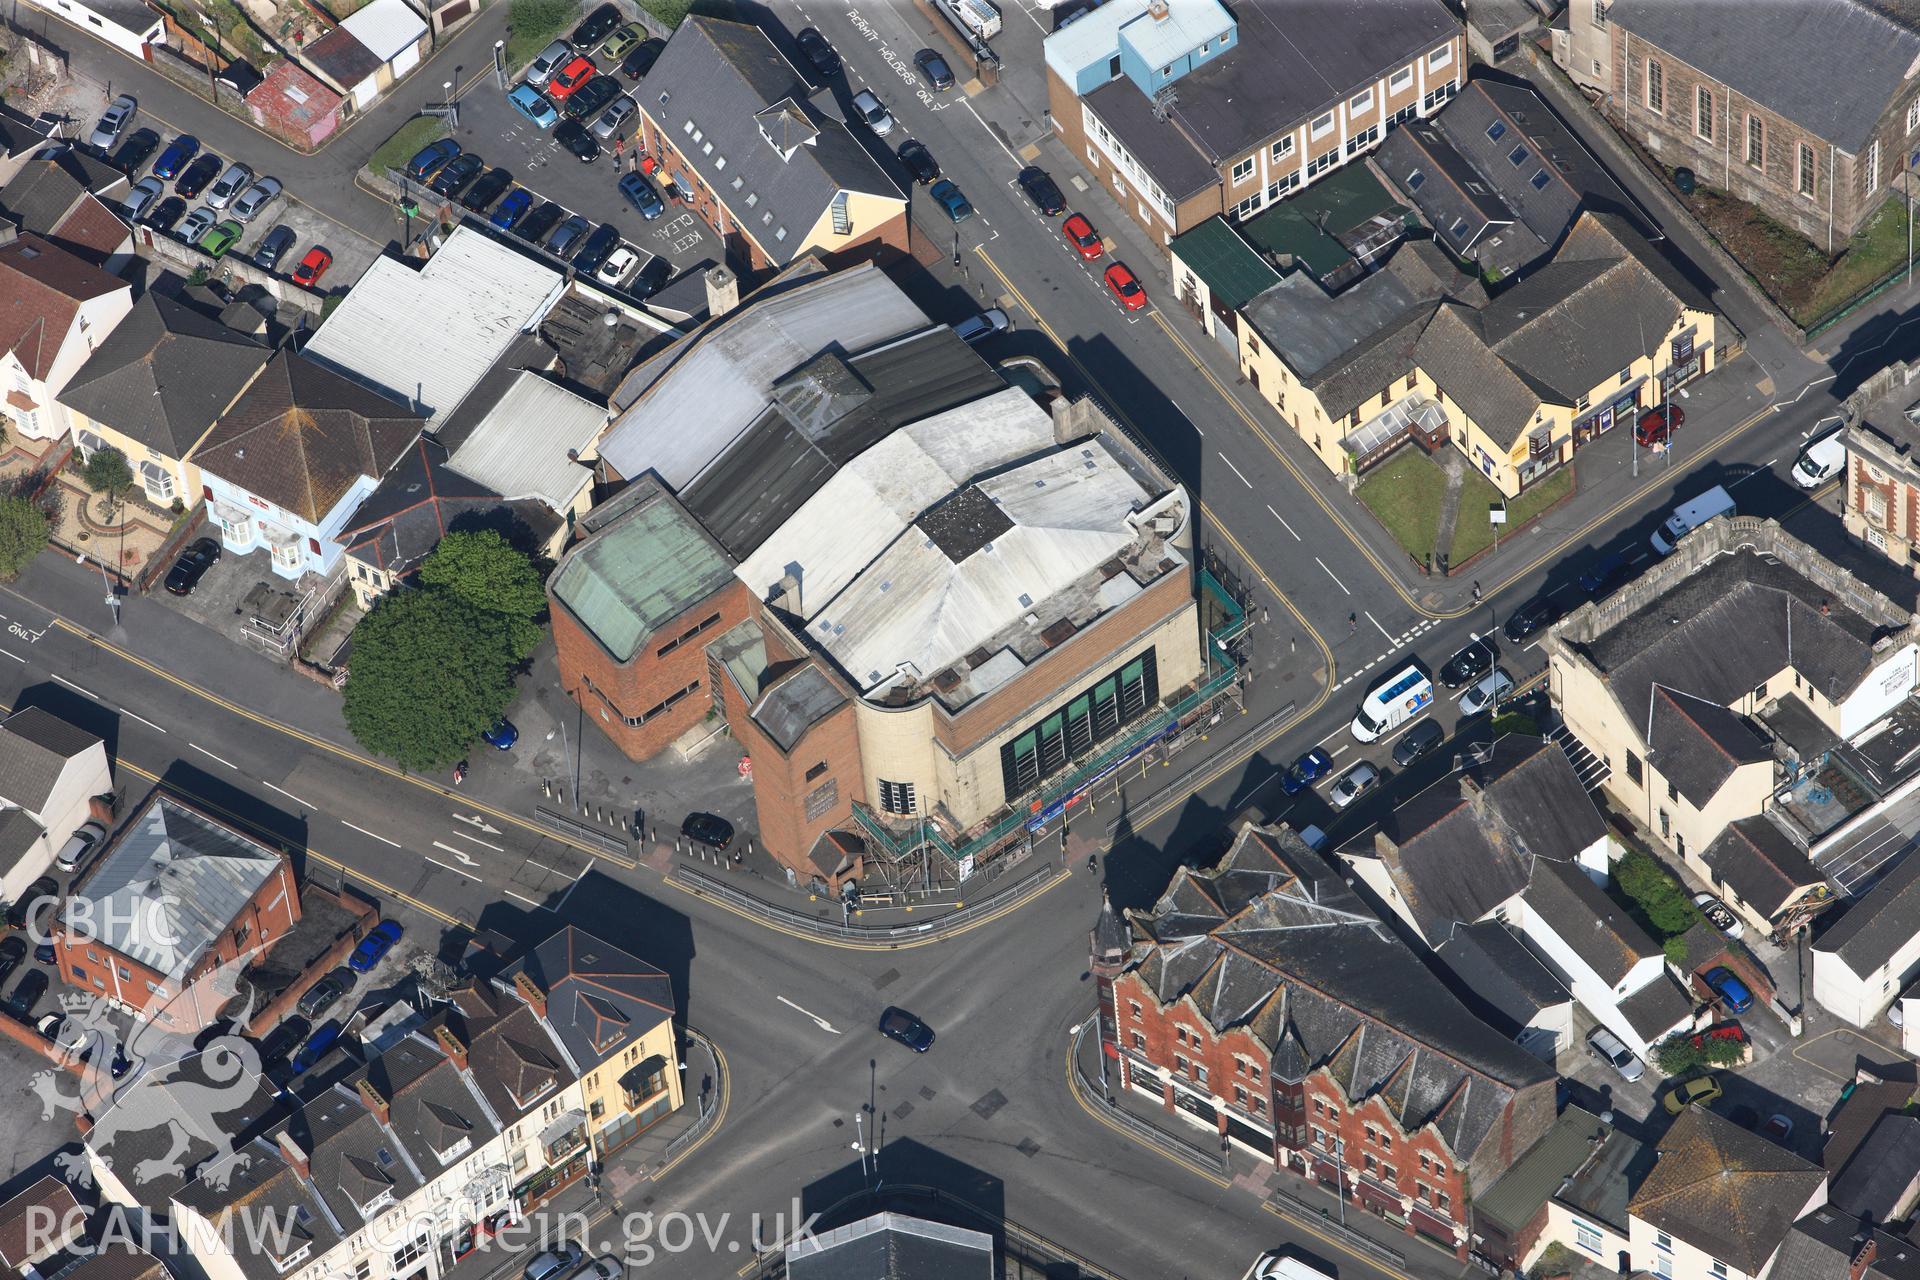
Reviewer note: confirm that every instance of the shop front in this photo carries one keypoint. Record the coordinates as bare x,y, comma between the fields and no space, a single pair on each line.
1620,409
564,1142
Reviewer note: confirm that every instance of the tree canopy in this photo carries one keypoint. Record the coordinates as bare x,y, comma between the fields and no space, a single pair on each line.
108,472
430,672
489,573
23,534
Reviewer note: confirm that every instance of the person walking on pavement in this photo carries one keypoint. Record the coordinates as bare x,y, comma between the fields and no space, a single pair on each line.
1476,592
1353,624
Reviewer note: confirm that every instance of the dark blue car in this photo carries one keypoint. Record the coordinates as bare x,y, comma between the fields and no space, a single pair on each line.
1606,576
507,214
372,947
641,195
1732,992
175,157
950,198
502,734
324,1037
431,158
1309,767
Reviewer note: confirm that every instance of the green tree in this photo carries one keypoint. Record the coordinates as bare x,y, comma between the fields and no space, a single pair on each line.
487,572
1661,898
23,534
429,673
107,472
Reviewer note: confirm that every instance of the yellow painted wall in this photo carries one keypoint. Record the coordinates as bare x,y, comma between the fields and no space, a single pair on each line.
602,1097
865,211
186,476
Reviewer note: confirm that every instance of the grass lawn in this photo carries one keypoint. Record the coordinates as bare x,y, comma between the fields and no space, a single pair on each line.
1876,249
1792,269
533,24
1471,531
1404,495
407,141
670,12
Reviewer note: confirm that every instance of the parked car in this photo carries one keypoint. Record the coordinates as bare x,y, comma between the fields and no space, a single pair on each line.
1352,784
229,186
1657,425
1471,662
1307,770
79,847
541,69
618,264
13,949
595,249
43,953
614,117
919,161
708,829
324,1037
195,177
554,1264
591,98
1535,615
1733,993
898,1024
501,734
1779,1127
432,158
574,137
818,53
567,235
1606,576
641,195
144,195
1080,234
1487,693
273,246
510,210
456,174
479,197
374,946
25,994
1695,1089
112,123
1418,742
164,215
867,105
534,227
978,328
313,266
222,238
934,67
1718,915
1041,189
640,61
135,151
283,1039
39,895
565,82
621,42
596,26
255,198
175,157
324,994
533,104
1125,286
950,198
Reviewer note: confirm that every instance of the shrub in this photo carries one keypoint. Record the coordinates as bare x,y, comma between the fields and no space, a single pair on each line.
1662,899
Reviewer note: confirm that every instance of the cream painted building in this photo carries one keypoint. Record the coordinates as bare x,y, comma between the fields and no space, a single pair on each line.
60,309
1719,1202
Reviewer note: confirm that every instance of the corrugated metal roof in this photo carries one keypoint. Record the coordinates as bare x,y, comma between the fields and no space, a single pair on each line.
1232,271
428,336
528,444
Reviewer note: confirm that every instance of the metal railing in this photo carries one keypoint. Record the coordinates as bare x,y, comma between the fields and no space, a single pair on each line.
709,1104
879,935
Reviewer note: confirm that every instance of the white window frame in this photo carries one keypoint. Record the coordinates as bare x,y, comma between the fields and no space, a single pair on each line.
1703,112
1321,127
1653,83
1600,14
1756,155
1360,103
1404,77
1242,171
1913,115
1441,57
1281,149
1806,176
1873,166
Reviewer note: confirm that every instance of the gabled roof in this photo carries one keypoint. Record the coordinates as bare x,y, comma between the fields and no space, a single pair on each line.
1724,1190
41,288
165,374
92,231
420,500
599,998
1233,273
300,436
343,58
18,134
1823,1245
1875,1180
1761,863
1454,352
761,137
387,27
1697,744
35,746
49,185
1876,925
1588,921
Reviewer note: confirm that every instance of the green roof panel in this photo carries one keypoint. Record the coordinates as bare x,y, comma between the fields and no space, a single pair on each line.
644,570
1233,272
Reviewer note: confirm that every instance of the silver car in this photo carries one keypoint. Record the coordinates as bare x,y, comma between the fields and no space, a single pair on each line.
1353,784
196,224
551,59
230,185
119,115
613,117
142,197
873,111
257,197
1492,687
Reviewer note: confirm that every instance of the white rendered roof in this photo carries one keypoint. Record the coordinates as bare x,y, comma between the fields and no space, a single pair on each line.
427,336
520,449
387,27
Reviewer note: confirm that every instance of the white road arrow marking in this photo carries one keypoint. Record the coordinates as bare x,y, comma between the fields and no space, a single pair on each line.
465,861
822,1022
475,820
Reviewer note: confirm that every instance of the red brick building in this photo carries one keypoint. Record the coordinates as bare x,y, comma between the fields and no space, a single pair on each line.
174,896
293,105
1262,1000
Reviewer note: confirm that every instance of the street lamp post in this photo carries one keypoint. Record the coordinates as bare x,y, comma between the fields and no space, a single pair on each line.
1340,1175
500,63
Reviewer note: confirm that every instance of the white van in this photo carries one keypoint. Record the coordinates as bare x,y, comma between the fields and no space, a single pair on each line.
1821,460
1690,515
1279,1266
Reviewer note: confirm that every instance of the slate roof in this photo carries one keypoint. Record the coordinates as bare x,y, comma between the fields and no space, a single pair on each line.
1830,66
1724,1190
1495,966
600,999
893,1246
1232,271
1524,1189
227,1114
1657,1008
49,185
165,374
1454,352
516,1061
18,831
26,1229
1761,863
1874,1182
17,133
41,287
301,435
1880,922
341,56
1270,939
1697,744
1823,1244
420,500
1462,207
720,78
35,746
1588,921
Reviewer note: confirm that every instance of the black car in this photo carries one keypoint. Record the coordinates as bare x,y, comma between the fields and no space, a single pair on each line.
591,98
459,171
709,829
12,951
1417,742
650,278
1470,663
898,1024
597,26
480,196
284,1039
919,161
534,227
195,177
322,995
273,246
1607,576
135,151
1531,617
194,561
934,68
815,49
578,140
20,1001
42,890
566,237
163,215
641,60
1041,190
596,248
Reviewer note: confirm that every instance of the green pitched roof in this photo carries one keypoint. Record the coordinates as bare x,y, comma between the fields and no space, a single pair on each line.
646,568
1339,202
1233,272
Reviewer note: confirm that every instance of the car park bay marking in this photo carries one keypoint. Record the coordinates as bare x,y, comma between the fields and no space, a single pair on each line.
822,1022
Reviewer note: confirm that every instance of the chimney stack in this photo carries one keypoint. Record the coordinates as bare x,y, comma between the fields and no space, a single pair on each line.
1863,1259
530,992
8,233
295,1155
1158,11
723,291
450,1045
370,1096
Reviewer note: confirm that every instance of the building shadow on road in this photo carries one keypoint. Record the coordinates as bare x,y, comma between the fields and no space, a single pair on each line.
77,710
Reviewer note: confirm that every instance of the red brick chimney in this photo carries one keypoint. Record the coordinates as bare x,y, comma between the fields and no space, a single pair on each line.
450,1045
295,1155
382,1110
1863,1259
530,992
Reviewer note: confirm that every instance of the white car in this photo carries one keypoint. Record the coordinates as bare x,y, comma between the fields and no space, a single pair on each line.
235,180
1352,784
1604,1044
119,115
1718,916
550,60
873,111
1492,687
619,264
257,197
196,224
553,1264
80,846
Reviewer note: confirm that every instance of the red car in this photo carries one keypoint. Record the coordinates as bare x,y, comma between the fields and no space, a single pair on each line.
1658,423
1126,287
568,79
312,267
1079,233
